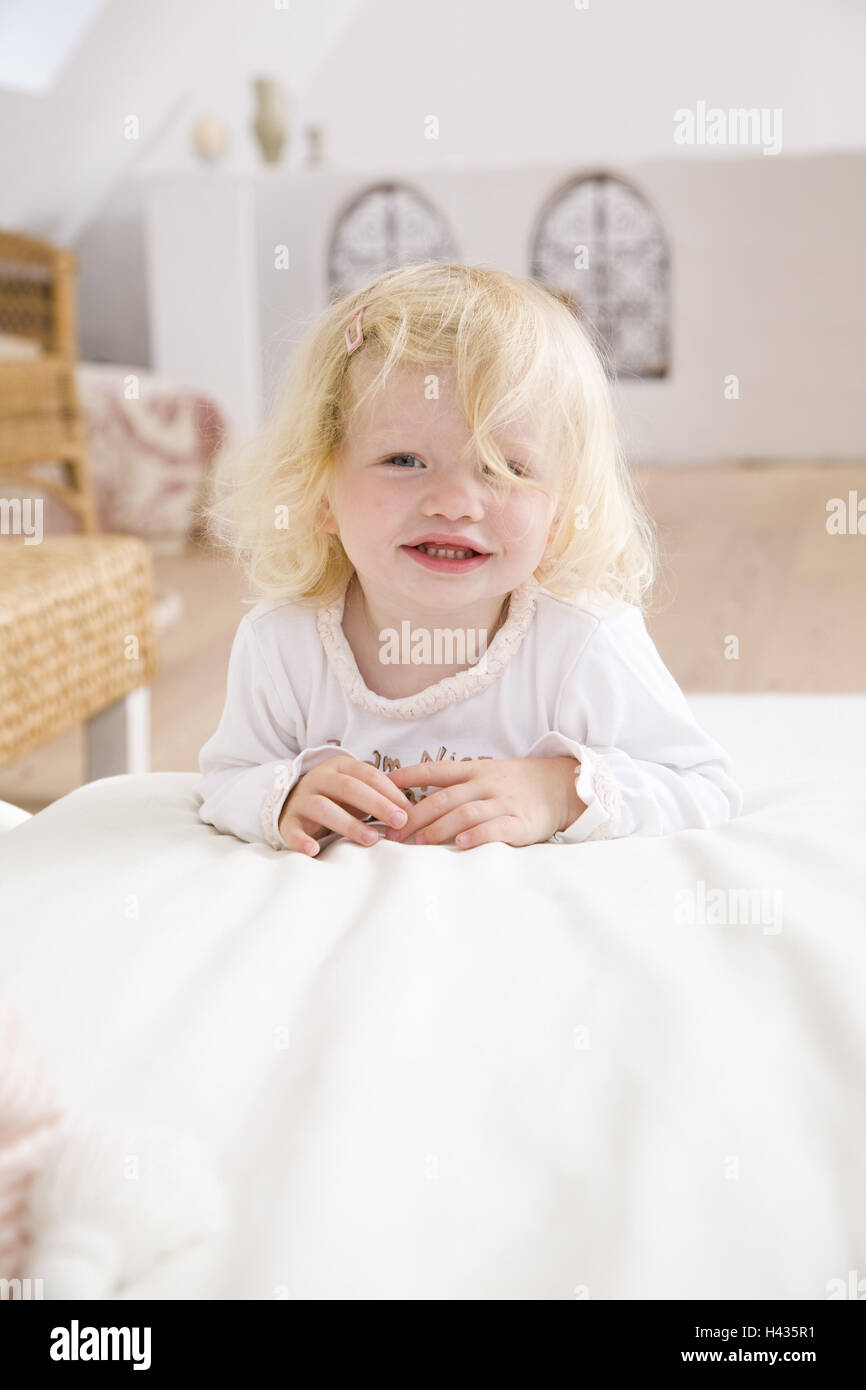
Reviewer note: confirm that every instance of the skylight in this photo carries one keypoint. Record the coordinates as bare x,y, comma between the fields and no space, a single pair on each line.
37,38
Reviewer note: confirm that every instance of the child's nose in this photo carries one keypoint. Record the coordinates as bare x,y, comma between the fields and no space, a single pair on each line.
455,496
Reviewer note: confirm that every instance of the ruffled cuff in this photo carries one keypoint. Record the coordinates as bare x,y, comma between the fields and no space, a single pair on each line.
595,786
285,777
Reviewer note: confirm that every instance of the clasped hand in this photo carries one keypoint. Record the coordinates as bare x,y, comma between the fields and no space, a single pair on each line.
516,801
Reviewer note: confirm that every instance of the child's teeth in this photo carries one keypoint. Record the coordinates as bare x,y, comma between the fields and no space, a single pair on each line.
442,554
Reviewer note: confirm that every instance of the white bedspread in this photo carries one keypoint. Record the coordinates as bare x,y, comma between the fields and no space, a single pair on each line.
532,1073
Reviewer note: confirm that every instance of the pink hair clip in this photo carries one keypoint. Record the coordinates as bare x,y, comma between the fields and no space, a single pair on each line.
350,344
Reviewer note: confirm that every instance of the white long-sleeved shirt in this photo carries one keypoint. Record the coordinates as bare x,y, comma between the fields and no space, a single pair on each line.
557,679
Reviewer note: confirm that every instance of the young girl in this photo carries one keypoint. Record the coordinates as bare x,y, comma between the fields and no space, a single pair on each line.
453,564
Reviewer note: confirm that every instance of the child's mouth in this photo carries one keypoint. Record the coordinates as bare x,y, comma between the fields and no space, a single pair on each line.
445,559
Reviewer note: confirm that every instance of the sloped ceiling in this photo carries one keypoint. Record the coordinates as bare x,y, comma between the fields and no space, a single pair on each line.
64,149
577,81
509,80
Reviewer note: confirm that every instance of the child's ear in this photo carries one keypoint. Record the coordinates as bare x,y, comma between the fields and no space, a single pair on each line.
325,519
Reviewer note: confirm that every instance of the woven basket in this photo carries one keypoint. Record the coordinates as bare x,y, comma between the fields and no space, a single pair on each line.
76,633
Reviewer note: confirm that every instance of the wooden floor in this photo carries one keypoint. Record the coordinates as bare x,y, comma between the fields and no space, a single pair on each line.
746,556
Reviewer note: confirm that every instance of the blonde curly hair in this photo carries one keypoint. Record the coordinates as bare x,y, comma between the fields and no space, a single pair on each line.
518,353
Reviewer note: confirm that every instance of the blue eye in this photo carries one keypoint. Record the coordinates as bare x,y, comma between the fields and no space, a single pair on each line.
516,468
403,456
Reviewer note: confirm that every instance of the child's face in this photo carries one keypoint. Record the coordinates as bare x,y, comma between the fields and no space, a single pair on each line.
399,477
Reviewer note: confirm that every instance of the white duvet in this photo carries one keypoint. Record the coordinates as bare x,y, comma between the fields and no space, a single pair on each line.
618,1070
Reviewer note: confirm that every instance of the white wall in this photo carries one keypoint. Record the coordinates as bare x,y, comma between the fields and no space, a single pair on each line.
767,285
767,277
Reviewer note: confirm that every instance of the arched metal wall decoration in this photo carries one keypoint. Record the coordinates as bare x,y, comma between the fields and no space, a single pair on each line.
600,247
386,226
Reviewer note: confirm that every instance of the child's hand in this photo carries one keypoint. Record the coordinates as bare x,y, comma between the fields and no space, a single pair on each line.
329,797
518,801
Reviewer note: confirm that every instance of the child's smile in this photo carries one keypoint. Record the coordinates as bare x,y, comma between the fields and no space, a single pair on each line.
447,554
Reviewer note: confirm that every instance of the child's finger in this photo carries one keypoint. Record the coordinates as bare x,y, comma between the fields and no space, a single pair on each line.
333,817
297,838
447,826
436,808
387,787
347,789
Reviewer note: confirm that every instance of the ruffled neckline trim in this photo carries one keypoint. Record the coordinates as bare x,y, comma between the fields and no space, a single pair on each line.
451,690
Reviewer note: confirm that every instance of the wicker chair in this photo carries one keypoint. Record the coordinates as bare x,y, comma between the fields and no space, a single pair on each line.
77,637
